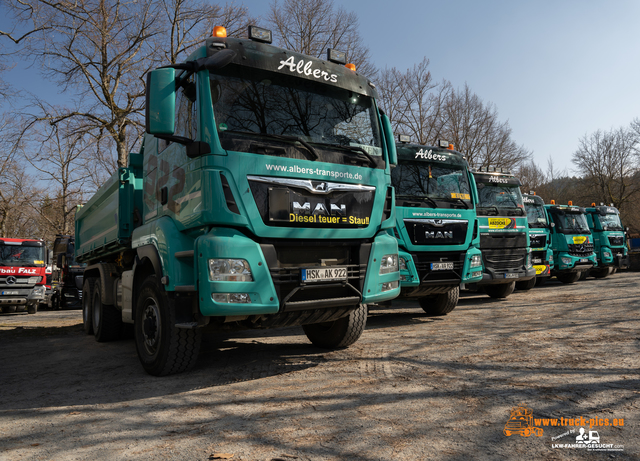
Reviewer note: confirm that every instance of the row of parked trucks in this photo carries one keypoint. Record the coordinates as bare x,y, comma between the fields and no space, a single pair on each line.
269,191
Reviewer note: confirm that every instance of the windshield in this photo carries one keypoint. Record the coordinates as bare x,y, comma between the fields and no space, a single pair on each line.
19,255
536,215
500,198
610,222
441,185
269,108
571,223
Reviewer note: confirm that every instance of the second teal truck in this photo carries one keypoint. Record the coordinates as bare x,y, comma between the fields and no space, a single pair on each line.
608,239
261,198
435,225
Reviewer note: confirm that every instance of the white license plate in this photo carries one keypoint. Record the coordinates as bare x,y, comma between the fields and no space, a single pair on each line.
510,276
537,261
584,260
441,266
9,292
324,274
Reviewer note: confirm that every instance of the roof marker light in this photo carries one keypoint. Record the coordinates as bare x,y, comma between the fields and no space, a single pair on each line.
219,31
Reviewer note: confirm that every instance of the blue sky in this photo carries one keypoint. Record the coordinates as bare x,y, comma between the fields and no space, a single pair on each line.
556,70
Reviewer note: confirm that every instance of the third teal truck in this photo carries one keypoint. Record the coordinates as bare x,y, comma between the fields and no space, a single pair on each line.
608,239
435,225
539,239
504,233
571,241
261,198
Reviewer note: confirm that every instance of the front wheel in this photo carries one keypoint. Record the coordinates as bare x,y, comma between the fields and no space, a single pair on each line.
541,281
500,291
526,285
571,277
32,308
9,309
339,333
440,304
162,348
87,309
602,273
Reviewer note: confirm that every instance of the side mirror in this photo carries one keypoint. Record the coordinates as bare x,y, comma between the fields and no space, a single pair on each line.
388,136
217,61
161,101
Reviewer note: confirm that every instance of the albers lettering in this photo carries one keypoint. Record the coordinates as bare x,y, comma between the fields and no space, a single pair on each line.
500,180
302,67
430,155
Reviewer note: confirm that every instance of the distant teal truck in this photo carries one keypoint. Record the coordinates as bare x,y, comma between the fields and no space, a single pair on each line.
435,225
261,198
539,239
504,232
608,238
571,242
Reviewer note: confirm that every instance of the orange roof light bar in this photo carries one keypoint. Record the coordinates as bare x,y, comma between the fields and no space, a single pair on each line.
570,203
450,147
350,66
593,204
553,202
219,31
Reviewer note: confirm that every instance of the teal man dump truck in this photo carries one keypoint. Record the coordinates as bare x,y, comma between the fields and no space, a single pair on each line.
504,233
261,198
435,225
539,240
608,239
571,242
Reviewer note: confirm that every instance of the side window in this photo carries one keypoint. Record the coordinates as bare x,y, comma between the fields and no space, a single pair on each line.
186,113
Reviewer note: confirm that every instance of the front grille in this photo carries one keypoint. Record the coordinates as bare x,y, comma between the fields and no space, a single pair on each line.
616,241
499,240
423,261
583,249
538,255
20,282
436,231
503,259
287,259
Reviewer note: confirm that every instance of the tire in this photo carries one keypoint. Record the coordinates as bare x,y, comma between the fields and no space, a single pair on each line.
615,269
526,285
541,281
87,307
500,291
106,319
440,304
162,348
571,277
339,333
32,308
55,303
9,309
601,273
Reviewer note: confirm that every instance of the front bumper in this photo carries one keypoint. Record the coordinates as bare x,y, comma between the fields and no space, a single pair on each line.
462,272
494,276
565,263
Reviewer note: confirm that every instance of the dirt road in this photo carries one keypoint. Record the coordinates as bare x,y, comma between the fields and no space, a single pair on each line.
414,387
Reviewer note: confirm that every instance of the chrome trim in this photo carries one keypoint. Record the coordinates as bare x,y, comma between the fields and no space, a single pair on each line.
308,184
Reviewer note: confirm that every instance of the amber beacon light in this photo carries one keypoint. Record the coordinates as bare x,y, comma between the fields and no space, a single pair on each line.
219,31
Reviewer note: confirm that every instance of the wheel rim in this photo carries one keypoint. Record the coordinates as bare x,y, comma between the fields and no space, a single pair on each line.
151,326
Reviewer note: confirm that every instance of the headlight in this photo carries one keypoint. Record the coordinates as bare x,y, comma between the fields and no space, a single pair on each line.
389,286
566,261
389,264
403,263
607,254
551,259
476,261
528,262
231,297
229,270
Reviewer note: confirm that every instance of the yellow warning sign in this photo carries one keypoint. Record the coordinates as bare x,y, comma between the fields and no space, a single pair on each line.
461,196
579,240
502,223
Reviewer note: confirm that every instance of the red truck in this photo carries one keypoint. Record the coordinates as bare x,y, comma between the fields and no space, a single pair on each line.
22,274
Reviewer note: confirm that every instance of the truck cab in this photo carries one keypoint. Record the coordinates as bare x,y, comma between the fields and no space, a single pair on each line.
608,238
504,233
261,198
66,277
571,242
22,274
539,239
435,225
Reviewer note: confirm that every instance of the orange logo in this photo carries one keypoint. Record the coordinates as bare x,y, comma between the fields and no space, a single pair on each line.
521,422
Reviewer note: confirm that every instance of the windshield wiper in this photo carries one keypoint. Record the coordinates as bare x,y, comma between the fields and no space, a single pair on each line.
414,199
357,149
491,207
466,205
308,146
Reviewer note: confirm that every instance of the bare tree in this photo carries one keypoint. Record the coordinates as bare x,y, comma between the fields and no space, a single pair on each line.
609,161
531,176
414,102
475,130
312,26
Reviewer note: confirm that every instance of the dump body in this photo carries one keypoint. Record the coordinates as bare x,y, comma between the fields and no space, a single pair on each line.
539,235
22,274
435,221
608,237
261,197
503,228
571,242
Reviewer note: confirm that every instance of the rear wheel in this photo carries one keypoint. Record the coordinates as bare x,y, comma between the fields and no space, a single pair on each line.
87,311
338,333
500,291
526,285
162,348
106,319
9,309
440,304
571,277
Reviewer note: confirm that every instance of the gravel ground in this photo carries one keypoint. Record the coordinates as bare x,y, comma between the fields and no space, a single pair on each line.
412,388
